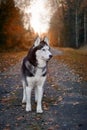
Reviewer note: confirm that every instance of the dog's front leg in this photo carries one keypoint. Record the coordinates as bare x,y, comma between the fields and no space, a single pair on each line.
36,94
28,97
24,92
39,99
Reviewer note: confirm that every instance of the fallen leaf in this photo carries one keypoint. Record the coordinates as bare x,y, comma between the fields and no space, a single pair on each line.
75,103
51,128
60,98
19,118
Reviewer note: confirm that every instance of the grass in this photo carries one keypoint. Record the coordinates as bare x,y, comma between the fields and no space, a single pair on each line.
75,59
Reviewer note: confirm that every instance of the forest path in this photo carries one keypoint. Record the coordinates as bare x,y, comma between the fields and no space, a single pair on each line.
64,101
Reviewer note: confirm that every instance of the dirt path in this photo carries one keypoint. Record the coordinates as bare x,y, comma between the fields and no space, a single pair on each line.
64,102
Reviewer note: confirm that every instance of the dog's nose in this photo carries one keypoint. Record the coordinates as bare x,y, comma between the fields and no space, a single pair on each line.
50,56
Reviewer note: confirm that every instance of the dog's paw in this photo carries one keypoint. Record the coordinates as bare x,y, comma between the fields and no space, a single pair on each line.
39,111
28,108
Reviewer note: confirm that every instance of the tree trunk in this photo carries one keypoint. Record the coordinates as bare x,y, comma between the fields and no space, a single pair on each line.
85,30
76,28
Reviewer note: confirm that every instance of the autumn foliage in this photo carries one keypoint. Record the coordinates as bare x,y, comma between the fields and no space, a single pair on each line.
68,26
12,33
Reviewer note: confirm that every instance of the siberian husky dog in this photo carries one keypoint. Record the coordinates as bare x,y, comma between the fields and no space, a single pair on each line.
34,72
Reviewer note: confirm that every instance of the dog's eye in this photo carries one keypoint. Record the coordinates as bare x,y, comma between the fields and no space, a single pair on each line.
43,49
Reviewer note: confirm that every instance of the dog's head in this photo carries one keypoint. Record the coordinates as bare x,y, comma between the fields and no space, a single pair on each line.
40,51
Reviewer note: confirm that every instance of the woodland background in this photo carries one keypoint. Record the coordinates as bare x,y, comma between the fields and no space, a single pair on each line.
68,26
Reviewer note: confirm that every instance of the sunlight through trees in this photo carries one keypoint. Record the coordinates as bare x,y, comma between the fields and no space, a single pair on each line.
64,21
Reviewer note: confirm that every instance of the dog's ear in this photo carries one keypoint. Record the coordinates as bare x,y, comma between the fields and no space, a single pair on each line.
37,41
46,40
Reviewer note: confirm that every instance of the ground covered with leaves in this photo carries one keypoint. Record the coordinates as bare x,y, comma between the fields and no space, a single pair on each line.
65,93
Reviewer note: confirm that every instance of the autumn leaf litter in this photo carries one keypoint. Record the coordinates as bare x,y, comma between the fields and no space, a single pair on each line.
63,95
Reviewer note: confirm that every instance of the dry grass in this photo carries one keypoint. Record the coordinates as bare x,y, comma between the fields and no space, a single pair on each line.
76,59
8,59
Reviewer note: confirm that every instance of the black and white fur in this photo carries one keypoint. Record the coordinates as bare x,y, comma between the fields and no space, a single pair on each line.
34,72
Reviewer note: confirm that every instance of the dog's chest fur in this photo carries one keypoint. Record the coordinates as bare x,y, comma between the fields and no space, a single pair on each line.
33,73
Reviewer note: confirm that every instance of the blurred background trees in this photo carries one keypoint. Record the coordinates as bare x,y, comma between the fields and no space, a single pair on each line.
12,33
71,23
68,26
